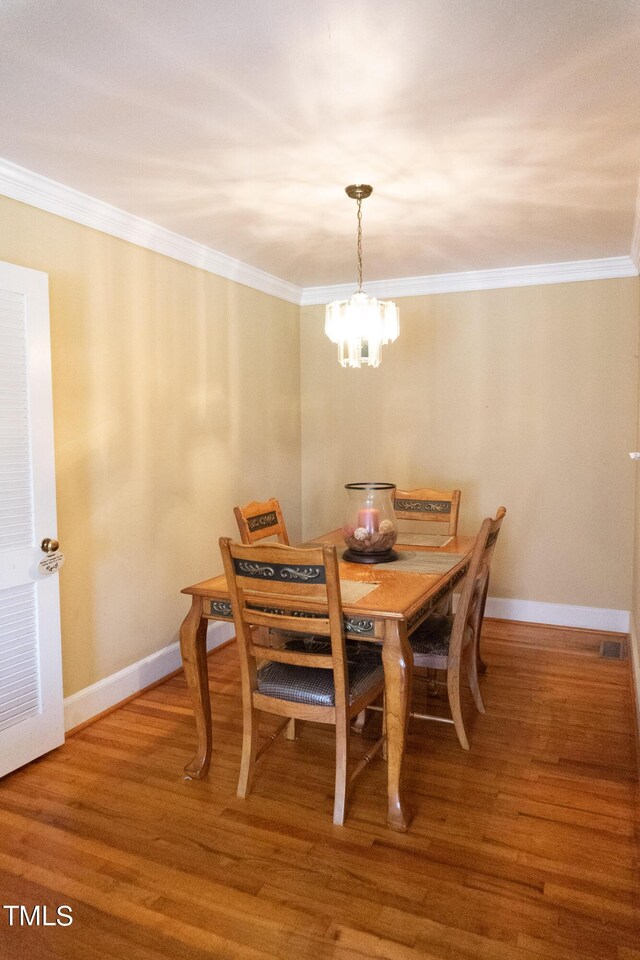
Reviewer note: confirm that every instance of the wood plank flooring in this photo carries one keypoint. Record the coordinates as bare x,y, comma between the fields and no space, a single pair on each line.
523,849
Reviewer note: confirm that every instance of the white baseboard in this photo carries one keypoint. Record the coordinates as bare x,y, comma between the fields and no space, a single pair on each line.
101,696
558,614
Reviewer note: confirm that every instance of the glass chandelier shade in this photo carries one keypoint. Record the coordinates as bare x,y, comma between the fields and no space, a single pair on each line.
362,325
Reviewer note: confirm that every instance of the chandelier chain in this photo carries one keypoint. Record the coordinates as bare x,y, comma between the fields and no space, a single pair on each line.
359,245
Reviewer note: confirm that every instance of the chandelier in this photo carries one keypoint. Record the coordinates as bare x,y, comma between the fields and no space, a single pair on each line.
362,325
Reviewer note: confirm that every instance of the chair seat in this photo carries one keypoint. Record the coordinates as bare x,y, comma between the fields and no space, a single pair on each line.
432,637
313,685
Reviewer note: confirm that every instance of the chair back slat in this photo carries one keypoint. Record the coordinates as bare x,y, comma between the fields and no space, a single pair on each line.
293,620
438,506
297,658
256,521
276,571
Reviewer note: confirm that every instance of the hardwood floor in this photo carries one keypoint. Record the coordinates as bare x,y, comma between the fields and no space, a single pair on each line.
525,848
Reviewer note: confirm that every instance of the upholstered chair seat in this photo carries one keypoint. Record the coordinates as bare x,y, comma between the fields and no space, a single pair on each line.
432,637
310,685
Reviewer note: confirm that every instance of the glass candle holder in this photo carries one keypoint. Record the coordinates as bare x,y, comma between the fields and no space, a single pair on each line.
370,528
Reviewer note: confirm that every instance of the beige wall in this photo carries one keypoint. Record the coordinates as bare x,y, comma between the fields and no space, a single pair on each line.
176,396
523,396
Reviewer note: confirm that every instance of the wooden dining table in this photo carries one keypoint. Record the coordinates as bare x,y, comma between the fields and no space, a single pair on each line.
402,595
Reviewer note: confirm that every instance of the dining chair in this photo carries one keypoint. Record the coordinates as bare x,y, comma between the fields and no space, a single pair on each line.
289,588
256,521
442,642
436,506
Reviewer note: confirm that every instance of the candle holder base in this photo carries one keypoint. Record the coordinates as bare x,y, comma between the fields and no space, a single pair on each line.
386,557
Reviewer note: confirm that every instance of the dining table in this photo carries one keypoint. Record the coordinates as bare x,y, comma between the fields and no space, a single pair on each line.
383,603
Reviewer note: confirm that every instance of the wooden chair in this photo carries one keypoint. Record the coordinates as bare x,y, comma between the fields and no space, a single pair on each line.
442,642
259,520
268,583
482,667
437,506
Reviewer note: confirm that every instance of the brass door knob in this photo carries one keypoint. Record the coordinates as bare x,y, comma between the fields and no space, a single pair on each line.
49,546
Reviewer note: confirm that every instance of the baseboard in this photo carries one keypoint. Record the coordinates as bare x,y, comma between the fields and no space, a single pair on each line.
558,614
94,700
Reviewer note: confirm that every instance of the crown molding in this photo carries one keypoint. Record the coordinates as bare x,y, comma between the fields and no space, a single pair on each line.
37,191
20,184
541,273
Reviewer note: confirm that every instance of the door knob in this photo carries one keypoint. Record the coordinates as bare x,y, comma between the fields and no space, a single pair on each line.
49,546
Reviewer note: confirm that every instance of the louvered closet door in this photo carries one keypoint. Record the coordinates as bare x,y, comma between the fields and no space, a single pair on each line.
31,715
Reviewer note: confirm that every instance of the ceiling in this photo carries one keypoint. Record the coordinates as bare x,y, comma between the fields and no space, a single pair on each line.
496,133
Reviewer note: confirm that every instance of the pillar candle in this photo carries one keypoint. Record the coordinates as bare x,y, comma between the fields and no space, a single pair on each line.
369,518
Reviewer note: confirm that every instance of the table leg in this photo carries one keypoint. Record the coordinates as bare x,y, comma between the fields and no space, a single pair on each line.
193,647
398,669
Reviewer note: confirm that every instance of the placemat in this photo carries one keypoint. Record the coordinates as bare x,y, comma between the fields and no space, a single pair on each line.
424,539
422,562
354,590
